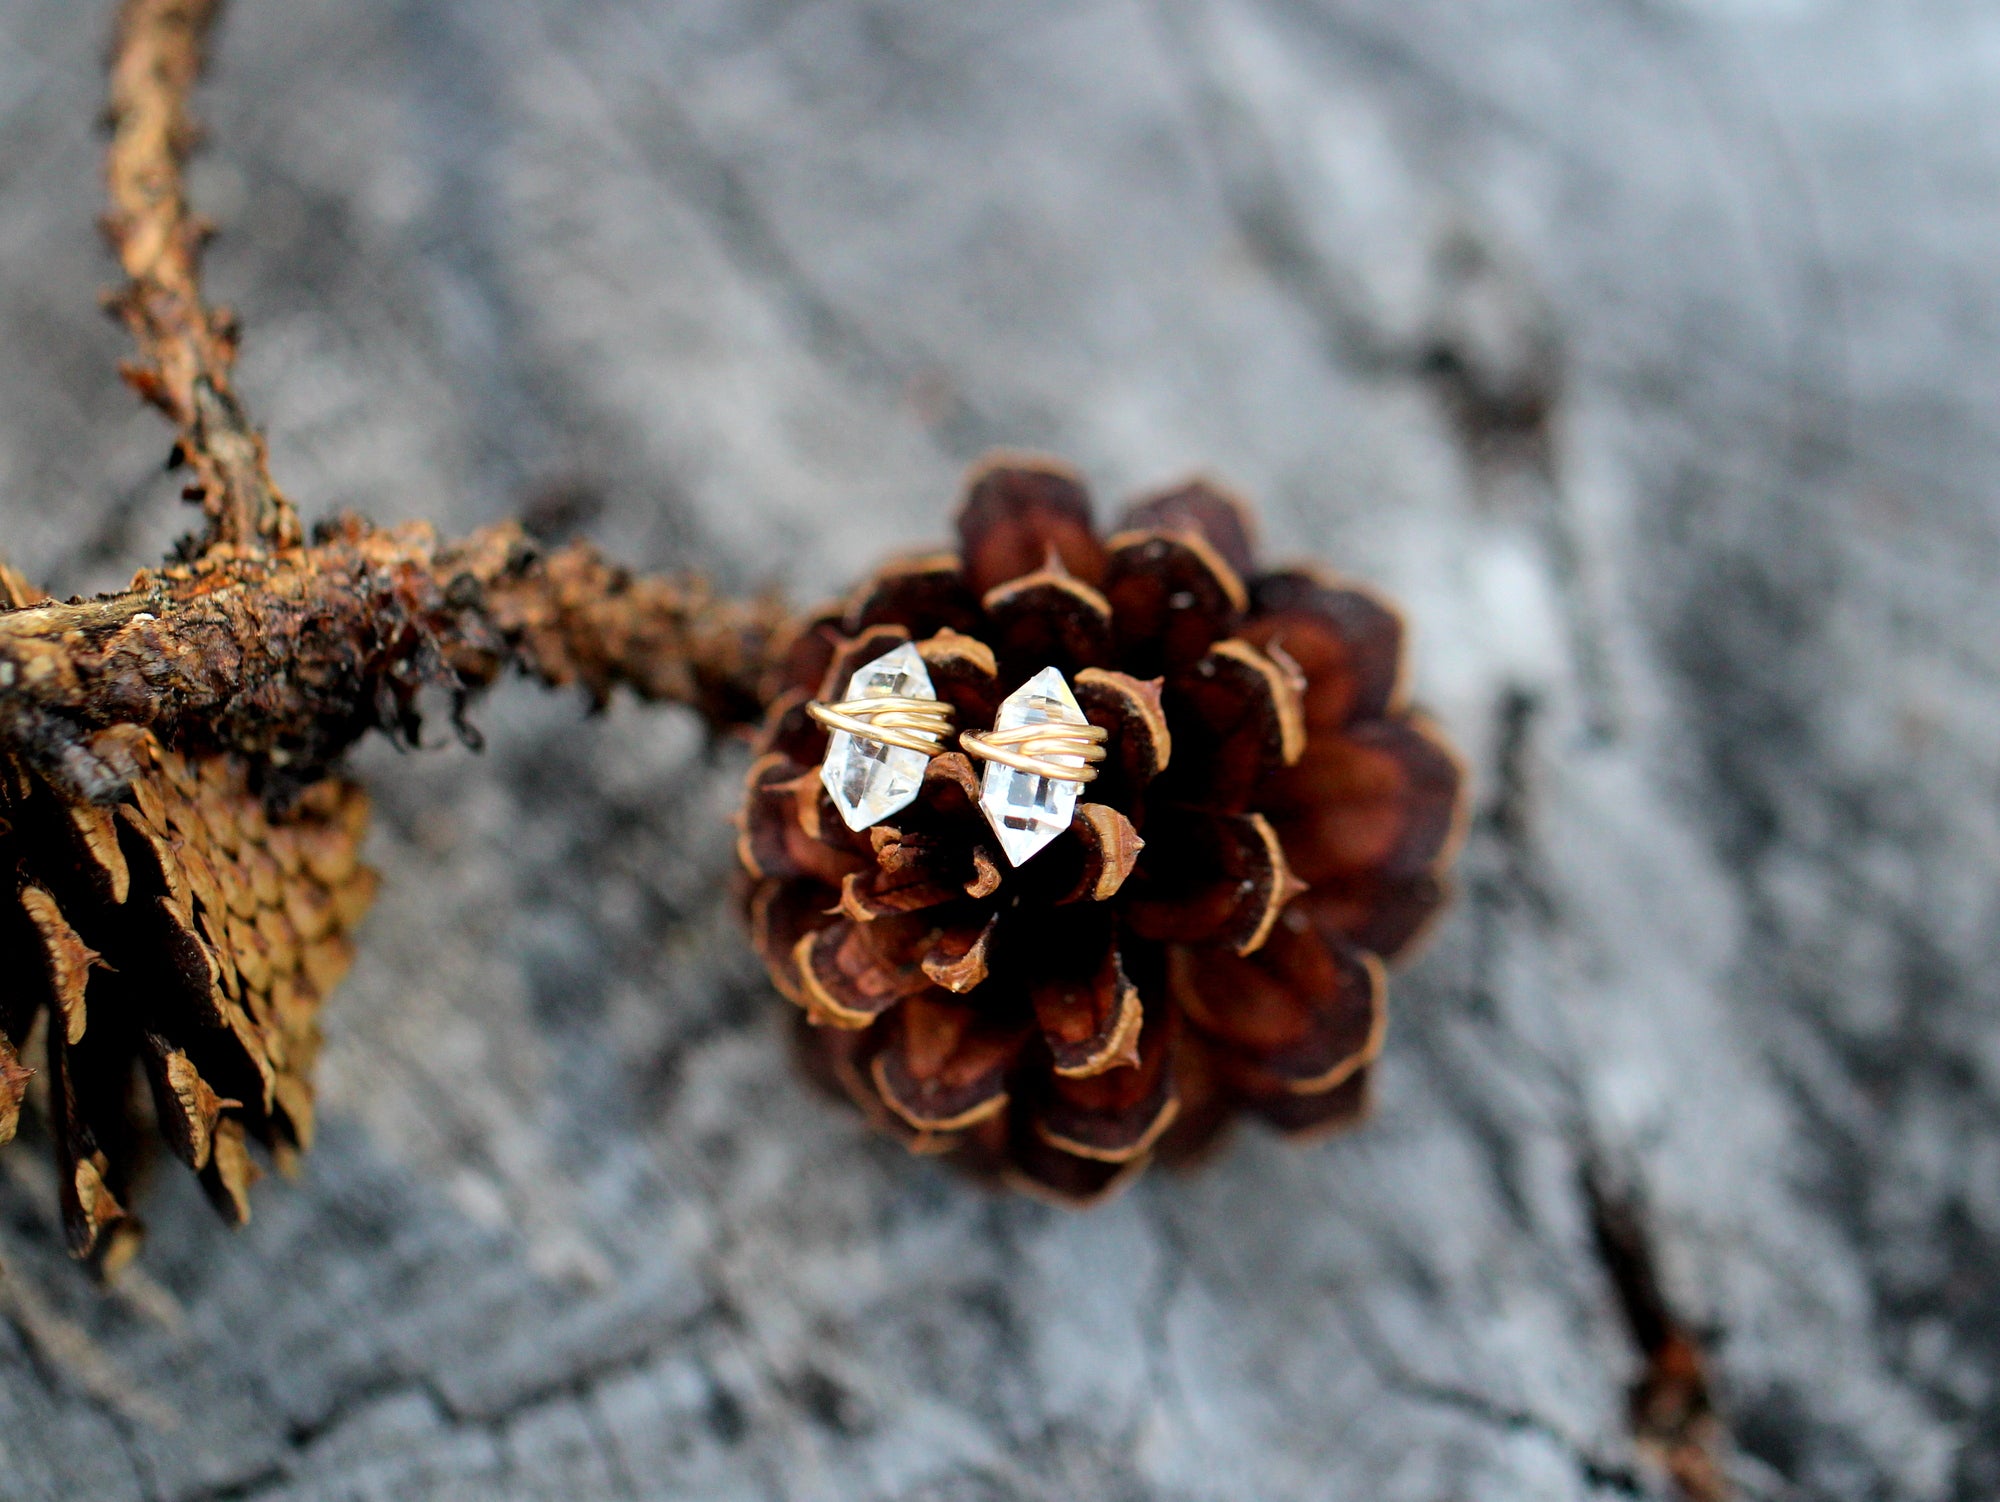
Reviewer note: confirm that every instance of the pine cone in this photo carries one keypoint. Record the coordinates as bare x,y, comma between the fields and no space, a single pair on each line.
1270,825
185,935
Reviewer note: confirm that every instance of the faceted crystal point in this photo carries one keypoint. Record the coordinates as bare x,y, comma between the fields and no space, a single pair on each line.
870,780
1027,811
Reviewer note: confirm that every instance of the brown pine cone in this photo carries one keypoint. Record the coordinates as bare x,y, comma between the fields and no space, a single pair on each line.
185,936
1271,823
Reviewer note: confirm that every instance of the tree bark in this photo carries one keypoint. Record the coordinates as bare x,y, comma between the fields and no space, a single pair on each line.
1642,352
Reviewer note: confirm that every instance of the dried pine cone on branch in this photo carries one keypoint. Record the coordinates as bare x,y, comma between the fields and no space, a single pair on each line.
164,961
1204,935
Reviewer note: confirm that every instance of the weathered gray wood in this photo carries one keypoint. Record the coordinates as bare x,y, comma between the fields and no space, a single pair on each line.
1719,634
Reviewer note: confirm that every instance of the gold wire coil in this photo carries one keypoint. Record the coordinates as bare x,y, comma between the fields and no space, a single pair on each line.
913,724
1029,748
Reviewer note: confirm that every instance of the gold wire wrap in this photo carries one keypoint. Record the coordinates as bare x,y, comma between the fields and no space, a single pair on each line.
913,724
1028,748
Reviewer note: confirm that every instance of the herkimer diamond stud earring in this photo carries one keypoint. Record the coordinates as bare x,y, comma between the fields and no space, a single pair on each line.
1039,754
885,733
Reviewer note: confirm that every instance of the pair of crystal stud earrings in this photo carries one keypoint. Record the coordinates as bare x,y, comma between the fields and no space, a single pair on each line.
1038,755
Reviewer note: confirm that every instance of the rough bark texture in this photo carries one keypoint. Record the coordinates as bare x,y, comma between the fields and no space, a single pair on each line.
290,655
1644,351
186,349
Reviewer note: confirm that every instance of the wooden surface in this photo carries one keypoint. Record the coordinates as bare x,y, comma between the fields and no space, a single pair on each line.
1648,350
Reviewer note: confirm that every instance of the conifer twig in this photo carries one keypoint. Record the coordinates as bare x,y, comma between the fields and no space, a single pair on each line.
289,656
259,641
186,349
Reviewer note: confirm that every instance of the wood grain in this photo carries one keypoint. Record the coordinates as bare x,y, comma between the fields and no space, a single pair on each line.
1642,352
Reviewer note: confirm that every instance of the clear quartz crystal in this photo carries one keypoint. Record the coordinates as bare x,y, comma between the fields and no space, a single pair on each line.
870,780
1027,811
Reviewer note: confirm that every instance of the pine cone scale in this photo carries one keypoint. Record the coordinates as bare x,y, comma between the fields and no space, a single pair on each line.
944,1065
1047,617
1130,711
959,960
1300,1016
1017,516
99,855
1218,878
926,596
66,960
1347,643
1114,1116
1240,722
1109,846
1090,1016
1379,798
184,1104
851,973
1173,596
14,1077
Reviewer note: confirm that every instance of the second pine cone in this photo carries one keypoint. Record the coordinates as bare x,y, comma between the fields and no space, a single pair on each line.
1271,825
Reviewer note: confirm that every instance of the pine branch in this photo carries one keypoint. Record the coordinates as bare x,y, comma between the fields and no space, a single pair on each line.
260,642
186,349
289,656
